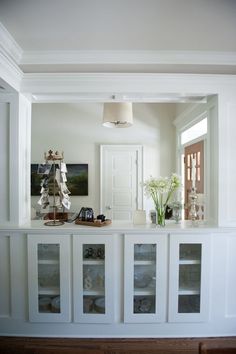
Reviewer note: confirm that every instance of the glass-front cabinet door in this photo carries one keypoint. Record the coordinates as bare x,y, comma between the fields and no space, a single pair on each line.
49,278
145,278
189,278
93,278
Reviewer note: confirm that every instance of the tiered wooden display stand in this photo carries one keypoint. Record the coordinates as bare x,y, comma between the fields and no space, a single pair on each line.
54,157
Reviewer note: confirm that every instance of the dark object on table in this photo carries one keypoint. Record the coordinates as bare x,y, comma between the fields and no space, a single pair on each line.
168,214
86,214
101,217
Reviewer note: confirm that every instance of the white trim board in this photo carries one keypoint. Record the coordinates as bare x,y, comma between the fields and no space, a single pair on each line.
115,83
128,57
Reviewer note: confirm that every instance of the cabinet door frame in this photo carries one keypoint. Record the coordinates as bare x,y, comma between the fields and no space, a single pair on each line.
78,290
64,266
175,241
161,278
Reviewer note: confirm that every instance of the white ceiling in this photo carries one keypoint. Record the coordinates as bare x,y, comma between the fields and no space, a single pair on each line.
202,25
149,36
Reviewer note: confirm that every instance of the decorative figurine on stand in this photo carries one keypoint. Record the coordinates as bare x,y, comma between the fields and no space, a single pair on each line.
193,196
193,204
60,192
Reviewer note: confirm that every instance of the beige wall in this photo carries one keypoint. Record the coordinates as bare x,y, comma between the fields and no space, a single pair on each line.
77,130
181,107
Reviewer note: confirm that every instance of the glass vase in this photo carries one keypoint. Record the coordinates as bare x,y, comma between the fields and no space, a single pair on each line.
176,214
160,215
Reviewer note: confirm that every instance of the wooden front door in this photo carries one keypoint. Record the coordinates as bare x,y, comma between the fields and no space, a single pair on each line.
194,151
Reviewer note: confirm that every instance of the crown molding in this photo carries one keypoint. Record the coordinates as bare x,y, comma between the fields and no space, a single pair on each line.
77,77
128,57
10,55
10,72
9,45
11,49
136,84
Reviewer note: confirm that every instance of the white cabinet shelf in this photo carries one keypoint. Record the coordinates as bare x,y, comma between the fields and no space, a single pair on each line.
48,261
95,292
49,291
144,262
93,262
143,292
189,261
93,278
187,291
49,278
189,278
145,278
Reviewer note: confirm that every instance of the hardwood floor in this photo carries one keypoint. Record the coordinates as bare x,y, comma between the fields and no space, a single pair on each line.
20,345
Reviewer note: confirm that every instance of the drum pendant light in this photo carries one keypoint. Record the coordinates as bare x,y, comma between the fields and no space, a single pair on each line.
117,115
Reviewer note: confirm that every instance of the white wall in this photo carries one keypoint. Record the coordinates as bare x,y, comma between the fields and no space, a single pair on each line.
77,130
227,157
4,160
182,107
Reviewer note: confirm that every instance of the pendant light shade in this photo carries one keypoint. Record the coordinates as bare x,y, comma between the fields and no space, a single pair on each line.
117,115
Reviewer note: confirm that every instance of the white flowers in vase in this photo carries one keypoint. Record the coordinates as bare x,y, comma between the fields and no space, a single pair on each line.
161,190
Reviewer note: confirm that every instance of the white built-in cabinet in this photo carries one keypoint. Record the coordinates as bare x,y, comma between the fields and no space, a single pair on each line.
49,278
93,278
166,277
189,271
145,278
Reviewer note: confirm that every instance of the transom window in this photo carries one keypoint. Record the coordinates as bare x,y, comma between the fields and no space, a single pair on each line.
194,132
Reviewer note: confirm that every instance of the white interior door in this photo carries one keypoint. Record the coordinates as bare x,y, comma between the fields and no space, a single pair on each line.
121,177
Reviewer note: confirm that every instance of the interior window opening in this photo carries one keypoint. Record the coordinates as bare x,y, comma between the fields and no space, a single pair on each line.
192,166
194,132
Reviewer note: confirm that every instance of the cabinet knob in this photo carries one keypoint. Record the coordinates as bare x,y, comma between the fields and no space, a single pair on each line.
108,207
